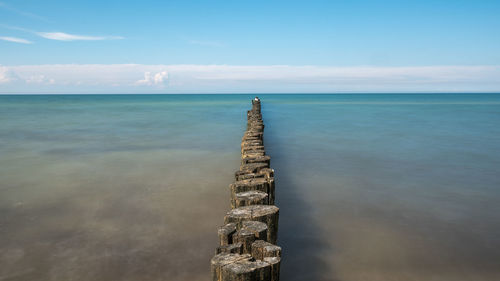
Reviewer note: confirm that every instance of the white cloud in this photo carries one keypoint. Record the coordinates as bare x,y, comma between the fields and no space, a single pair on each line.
40,79
120,78
158,79
61,36
6,75
15,40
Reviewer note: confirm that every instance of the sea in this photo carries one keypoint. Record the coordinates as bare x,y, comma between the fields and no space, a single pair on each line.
375,187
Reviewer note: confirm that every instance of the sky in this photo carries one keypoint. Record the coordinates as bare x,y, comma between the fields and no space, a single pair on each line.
249,46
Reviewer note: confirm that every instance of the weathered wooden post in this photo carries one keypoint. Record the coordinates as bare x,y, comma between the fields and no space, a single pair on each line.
247,250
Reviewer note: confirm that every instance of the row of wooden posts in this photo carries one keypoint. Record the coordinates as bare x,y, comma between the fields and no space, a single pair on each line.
247,248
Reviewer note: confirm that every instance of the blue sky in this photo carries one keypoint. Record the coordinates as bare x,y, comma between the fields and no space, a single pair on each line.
242,46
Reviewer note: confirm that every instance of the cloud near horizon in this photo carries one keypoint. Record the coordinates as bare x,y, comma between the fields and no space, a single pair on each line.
156,79
137,78
6,76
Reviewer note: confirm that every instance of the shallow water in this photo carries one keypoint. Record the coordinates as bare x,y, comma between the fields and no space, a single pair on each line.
371,187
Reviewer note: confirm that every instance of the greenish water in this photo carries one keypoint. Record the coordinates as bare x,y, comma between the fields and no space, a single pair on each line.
132,187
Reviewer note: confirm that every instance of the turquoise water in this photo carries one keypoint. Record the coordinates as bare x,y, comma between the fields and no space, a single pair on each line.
132,187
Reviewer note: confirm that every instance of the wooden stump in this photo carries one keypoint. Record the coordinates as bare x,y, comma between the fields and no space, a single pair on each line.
263,173
260,184
248,198
254,184
258,228
252,168
250,148
236,248
256,128
246,238
251,138
267,214
256,159
225,234
253,134
247,271
252,143
252,154
274,262
262,249
221,260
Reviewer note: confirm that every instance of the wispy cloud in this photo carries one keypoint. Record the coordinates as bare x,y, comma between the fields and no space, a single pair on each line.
22,13
206,43
61,36
6,26
120,78
15,40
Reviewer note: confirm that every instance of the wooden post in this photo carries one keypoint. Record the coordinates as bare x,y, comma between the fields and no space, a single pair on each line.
236,248
246,238
275,267
267,214
247,198
247,250
226,233
253,184
221,260
262,249
259,229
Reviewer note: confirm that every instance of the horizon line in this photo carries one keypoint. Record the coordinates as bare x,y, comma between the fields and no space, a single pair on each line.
258,93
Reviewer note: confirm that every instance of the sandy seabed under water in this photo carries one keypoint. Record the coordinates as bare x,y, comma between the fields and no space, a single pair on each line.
370,187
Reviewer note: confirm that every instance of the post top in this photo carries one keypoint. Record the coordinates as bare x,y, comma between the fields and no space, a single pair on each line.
256,99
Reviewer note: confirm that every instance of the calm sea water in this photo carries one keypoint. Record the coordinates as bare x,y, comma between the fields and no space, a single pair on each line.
133,187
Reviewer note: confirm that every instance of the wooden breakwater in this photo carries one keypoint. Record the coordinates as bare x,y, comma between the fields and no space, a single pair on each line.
247,249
